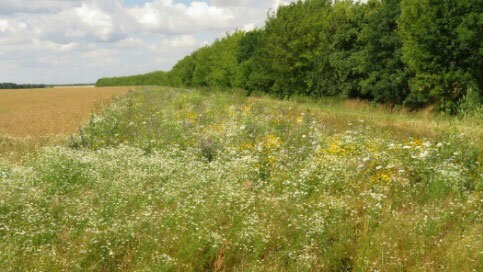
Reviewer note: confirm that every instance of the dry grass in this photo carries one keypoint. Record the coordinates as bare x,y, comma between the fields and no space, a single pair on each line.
15,149
58,111
400,121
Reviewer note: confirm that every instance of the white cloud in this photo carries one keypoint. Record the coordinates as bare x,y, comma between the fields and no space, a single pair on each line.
35,6
100,53
248,27
182,41
57,41
236,3
277,3
201,12
130,43
164,16
99,22
55,47
4,25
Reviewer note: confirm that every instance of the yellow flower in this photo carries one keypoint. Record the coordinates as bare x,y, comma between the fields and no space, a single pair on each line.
191,116
271,159
383,176
336,148
271,142
418,142
300,120
246,146
373,147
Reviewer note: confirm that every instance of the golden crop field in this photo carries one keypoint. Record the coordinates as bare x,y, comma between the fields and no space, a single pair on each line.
56,111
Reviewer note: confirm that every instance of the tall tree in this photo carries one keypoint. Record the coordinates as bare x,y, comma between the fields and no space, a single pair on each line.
253,67
385,75
443,46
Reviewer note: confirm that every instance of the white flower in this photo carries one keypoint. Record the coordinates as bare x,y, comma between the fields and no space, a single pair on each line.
439,145
406,147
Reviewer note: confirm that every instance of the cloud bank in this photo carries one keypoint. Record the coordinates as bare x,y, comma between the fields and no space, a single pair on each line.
69,41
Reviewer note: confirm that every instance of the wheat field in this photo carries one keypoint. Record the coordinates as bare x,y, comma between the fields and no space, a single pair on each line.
57,111
35,118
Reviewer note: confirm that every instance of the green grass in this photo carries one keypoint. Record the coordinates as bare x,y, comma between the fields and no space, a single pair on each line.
192,180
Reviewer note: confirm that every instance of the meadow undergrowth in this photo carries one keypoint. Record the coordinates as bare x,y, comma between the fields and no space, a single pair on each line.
185,180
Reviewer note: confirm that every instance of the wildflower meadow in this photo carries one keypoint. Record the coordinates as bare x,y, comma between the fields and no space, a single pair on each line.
171,179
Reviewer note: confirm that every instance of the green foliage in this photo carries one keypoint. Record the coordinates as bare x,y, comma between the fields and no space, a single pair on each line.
216,65
154,78
61,172
182,72
339,64
442,45
385,75
290,40
472,104
253,66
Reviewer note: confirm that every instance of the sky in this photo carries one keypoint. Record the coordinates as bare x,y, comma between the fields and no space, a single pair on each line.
79,41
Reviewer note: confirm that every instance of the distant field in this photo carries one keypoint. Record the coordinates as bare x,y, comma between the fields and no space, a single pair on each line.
41,112
74,86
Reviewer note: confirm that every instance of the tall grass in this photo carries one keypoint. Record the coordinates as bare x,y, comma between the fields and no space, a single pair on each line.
187,180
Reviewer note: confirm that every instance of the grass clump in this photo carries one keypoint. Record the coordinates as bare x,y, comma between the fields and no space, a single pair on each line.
188,180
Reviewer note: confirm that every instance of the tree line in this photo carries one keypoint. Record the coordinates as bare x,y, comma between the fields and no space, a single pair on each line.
21,86
410,52
154,78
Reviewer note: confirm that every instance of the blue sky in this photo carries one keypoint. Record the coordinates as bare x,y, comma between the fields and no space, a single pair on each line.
77,41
